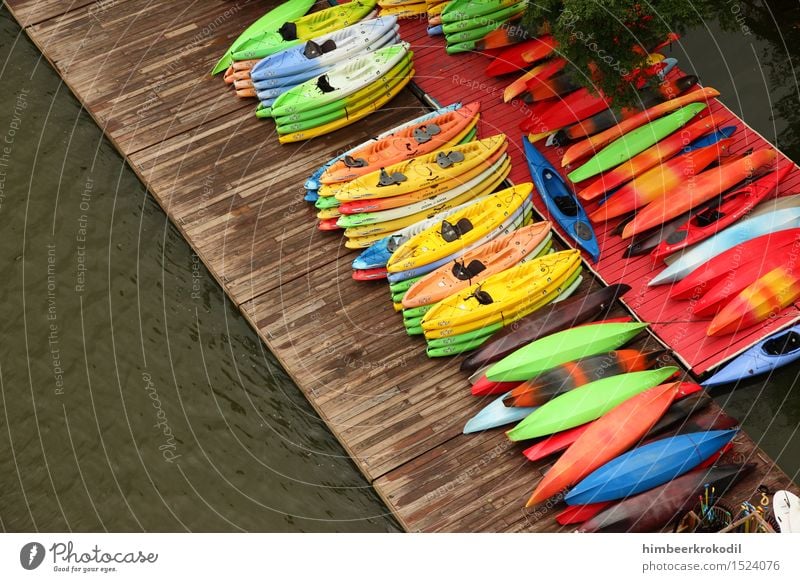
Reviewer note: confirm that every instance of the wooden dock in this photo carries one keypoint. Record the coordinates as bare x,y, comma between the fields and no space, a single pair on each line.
140,68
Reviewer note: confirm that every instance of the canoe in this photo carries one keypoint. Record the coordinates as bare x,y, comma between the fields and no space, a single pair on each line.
636,141
570,375
658,182
502,296
733,206
702,188
587,403
417,173
786,508
269,23
652,157
559,317
776,351
521,55
293,32
493,415
610,435
648,466
564,346
413,141
498,255
726,265
652,510
594,143
763,299
561,202
738,233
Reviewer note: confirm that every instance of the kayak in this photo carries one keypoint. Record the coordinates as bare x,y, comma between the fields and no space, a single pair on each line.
648,466
542,71
738,233
494,257
727,264
414,140
703,188
502,296
417,173
556,318
763,299
690,399
652,157
269,23
552,86
587,403
471,15
476,32
293,32
594,143
636,141
610,435
570,375
564,346
521,55
776,351
569,109
733,206
460,230
512,32
493,415
561,202
327,50
786,508
658,182
456,10
652,510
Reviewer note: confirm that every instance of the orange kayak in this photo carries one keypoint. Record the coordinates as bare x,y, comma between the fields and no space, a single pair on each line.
518,86
495,256
701,189
593,144
414,140
605,439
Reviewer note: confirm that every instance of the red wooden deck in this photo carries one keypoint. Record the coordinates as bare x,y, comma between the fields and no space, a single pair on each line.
461,77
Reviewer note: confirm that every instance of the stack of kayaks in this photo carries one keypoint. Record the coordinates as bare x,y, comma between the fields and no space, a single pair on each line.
281,71
466,23
402,8
434,10
343,95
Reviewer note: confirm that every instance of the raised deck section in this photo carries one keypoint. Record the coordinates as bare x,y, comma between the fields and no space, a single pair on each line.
140,67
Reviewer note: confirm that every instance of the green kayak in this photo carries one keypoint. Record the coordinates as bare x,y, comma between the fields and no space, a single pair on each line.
559,348
586,403
269,23
635,142
464,9
493,18
472,34
403,286
456,349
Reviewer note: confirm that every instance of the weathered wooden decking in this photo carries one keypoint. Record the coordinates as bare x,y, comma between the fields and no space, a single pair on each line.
140,68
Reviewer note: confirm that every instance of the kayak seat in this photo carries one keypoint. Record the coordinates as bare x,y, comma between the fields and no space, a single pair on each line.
312,50
566,205
288,31
445,160
452,232
482,297
387,179
464,272
352,162
425,133
780,346
323,84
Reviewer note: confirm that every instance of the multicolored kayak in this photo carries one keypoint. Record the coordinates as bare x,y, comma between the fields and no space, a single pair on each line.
522,55
561,202
648,466
477,265
495,414
635,142
733,206
776,351
544,70
570,375
652,510
587,403
564,346
553,319
270,23
703,188
610,435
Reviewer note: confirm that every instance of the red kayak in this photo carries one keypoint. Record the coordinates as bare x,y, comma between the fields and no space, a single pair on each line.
733,206
544,88
606,438
328,224
703,188
521,56
510,33
485,387
577,105
649,158
370,274
725,265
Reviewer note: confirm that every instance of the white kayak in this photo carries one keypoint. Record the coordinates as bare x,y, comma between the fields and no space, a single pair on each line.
786,507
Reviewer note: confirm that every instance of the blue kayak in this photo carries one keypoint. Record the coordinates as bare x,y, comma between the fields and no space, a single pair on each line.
767,355
496,414
648,466
561,202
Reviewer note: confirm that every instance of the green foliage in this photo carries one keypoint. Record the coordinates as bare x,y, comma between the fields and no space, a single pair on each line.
599,39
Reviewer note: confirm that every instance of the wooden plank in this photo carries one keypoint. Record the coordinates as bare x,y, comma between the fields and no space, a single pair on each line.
30,12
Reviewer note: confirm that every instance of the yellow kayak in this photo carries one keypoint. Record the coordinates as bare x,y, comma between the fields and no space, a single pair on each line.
504,296
417,173
459,230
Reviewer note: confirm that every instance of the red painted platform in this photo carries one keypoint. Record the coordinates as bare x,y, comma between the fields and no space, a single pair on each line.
461,78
